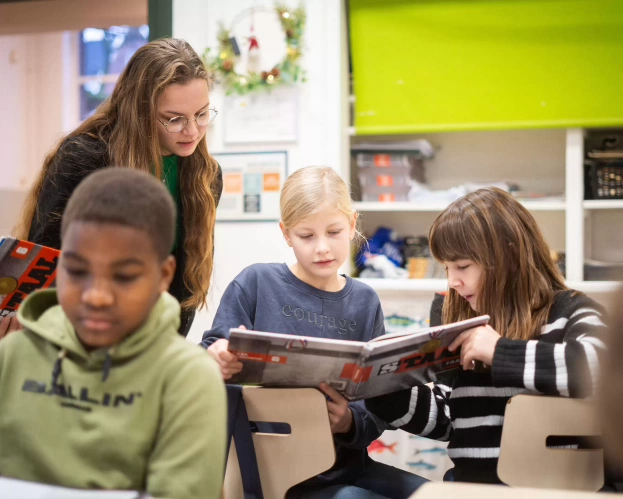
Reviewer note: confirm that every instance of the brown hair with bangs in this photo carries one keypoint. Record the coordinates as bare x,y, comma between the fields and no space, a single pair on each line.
520,278
127,123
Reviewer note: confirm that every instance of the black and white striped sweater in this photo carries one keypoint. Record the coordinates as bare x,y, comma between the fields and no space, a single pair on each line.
563,360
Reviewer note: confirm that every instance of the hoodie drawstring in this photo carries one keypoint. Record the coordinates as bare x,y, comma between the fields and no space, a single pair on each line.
58,366
57,369
107,364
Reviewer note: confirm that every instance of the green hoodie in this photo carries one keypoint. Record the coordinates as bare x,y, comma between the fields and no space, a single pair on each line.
149,414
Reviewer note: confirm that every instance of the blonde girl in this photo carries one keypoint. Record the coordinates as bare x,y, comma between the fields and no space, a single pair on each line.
311,298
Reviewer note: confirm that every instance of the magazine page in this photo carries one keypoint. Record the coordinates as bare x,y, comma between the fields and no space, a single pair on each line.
412,360
400,334
24,268
20,489
288,361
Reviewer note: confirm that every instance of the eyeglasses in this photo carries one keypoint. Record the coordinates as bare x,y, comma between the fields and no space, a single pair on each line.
177,124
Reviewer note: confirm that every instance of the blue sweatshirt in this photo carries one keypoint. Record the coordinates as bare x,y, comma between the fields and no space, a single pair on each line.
269,297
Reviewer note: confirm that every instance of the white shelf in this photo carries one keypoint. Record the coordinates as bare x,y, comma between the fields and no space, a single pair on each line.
399,206
595,286
432,285
545,204
603,204
532,205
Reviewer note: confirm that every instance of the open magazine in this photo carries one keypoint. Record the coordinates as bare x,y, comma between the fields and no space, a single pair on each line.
24,268
20,489
356,369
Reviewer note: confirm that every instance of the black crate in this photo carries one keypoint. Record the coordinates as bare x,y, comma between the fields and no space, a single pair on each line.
604,179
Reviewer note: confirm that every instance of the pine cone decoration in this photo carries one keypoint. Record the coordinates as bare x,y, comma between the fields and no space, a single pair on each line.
228,65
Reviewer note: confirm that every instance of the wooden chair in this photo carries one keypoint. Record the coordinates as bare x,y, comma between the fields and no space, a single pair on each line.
284,460
450,490
525,461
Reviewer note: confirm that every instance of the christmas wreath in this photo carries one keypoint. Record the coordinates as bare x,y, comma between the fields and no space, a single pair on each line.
287,71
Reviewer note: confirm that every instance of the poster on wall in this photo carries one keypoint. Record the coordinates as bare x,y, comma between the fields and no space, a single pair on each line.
251,185
270,116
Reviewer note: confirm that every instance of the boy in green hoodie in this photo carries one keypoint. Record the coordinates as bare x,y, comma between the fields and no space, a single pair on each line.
99,391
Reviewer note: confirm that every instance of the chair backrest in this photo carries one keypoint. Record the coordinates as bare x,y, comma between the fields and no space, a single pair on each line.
284,460
525,461
447,490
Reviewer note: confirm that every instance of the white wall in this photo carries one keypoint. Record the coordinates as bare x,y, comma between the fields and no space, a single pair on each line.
13,67
240,244
31,100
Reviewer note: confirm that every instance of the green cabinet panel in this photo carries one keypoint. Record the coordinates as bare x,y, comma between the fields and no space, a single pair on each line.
440,65
160,14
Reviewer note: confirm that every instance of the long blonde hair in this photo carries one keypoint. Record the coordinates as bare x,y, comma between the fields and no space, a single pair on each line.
520,278
306,191
126,122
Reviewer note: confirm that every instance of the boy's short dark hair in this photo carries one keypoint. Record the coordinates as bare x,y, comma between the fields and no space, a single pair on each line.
127,197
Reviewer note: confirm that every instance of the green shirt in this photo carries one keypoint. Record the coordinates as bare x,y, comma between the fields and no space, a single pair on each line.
171,178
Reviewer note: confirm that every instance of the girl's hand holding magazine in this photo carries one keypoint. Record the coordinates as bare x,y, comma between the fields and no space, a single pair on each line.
227,361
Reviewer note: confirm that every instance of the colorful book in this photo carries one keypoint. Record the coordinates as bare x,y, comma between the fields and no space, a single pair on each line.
355,369
24,268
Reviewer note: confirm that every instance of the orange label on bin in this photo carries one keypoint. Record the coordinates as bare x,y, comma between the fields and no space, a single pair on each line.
387,197
382,160
384,180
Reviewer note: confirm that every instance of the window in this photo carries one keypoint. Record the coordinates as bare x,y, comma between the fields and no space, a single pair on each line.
103,53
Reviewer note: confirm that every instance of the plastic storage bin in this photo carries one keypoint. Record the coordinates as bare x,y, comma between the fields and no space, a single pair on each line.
604,179
384,194
385,177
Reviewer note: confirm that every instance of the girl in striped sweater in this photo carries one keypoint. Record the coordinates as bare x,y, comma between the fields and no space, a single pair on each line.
542,338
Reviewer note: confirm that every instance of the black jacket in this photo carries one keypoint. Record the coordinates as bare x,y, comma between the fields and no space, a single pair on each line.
76,158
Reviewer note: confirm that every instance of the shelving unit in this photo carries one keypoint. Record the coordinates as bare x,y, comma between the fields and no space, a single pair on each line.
397,285
567,222
603,204
435,285
543,159
532,205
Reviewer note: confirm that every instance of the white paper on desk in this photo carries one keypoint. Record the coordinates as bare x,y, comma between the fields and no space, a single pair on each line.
20,489
259,117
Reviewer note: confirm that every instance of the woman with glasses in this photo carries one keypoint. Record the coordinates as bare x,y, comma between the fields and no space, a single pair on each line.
155,120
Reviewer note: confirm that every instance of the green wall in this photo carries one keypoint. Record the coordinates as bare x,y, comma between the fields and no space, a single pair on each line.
437,65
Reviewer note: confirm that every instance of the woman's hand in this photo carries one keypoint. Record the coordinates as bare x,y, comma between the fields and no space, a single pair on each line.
340,415
476,344
8,325
227,361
